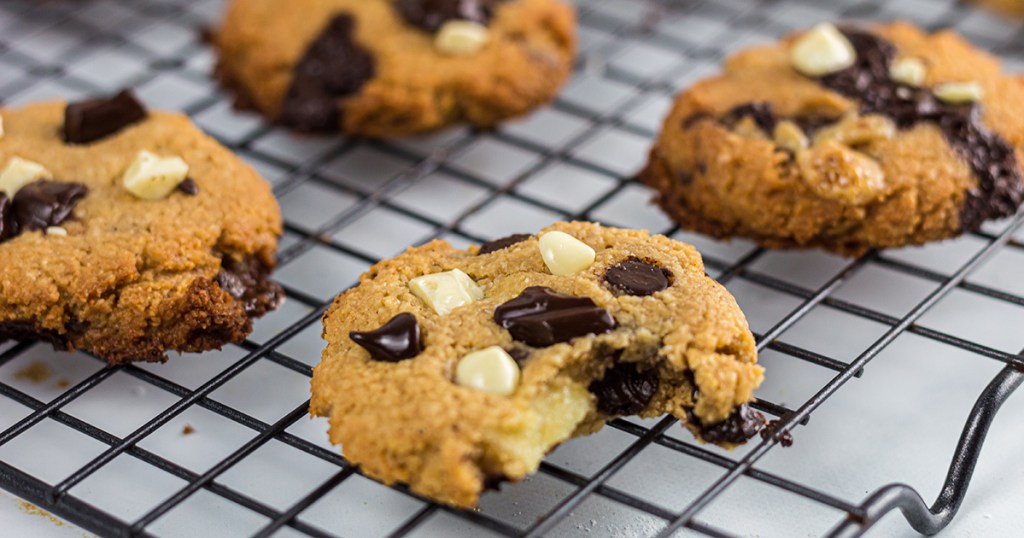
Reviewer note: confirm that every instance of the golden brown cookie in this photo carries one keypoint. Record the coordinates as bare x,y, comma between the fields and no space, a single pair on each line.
845,140
451,370
1011,7
394,67
129,233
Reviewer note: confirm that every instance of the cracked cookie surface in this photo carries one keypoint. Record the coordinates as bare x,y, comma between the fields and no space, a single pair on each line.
119,276
639,330
849,160
373,67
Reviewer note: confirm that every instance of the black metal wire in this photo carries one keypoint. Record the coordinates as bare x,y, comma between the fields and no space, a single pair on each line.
859,516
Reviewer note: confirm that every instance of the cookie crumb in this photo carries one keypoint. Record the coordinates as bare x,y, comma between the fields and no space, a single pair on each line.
188,430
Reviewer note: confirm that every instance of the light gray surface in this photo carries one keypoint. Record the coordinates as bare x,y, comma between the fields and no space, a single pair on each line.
899,422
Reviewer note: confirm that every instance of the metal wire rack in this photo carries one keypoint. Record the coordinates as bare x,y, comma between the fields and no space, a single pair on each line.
103,446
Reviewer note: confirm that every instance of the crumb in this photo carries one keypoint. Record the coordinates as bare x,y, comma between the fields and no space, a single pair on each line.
188,430
34,510
63,383
37,372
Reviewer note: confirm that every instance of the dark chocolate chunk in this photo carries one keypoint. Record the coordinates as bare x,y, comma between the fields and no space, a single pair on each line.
637,277
502,243
395,341
334,66
5,212
1000,182
91,120
189,187
248,281
541,317
432,14
624,389
41,204
741,425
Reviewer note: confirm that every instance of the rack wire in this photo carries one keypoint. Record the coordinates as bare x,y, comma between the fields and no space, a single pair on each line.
348,203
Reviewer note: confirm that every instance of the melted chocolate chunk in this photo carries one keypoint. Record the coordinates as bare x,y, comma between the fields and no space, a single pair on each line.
541,317
27,332
760,111
518,354
624,389
333,67
637,277
1000,183
39,205
432,14
395,341
247,281
189,187
741,425
5,210
502,243
785,438
87,121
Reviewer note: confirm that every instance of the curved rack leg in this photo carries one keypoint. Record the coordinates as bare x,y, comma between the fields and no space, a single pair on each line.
926,520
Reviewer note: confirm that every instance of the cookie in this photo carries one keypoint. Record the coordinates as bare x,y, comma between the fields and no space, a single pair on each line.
1009,7
129,233
453,370
845,139
385,68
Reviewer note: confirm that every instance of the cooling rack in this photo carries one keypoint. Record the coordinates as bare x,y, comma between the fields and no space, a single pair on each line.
874,364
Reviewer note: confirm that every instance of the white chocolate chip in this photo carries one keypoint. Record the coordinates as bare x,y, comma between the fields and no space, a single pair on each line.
564,254
446,291
789,135
822,50
909,71
959,92
57,230
151,177
461,38
489,370
20,172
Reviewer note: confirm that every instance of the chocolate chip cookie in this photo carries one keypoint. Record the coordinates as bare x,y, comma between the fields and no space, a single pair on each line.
452,370
393,67
845,139
129,233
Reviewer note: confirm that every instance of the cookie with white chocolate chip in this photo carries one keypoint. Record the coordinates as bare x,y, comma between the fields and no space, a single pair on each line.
845,138
386,68
451,370
129,233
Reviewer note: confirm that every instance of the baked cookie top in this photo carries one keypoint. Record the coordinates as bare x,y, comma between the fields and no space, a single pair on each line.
128,233
394,67
845,139
453,369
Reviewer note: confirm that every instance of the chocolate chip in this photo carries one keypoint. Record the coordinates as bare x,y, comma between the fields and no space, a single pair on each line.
189,187
502,243
541,317
248,281
624,389
395,341
334,66
42,204
992,160
741,425
432,14
637,277
87,121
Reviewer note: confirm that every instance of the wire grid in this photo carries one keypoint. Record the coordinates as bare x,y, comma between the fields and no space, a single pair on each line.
348,203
